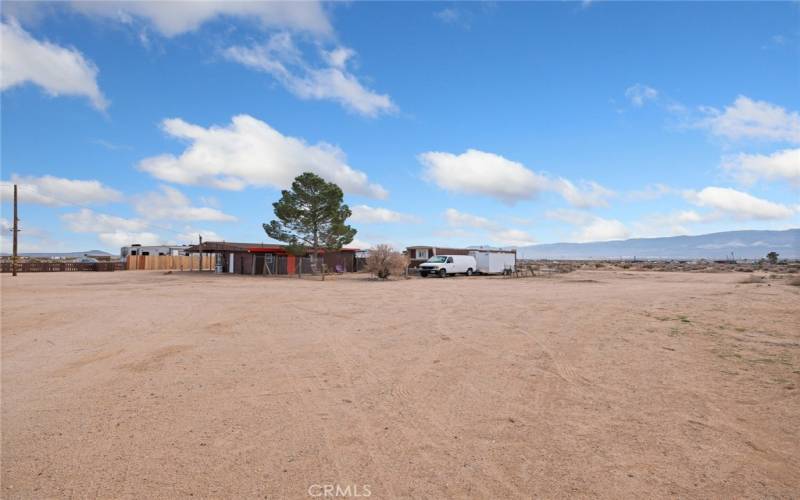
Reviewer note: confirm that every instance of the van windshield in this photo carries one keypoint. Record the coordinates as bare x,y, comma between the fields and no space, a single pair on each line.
438,259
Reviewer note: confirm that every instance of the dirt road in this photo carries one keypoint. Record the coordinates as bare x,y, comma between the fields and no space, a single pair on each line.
612,384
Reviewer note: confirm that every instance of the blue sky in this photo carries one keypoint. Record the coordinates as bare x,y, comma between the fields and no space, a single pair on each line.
445,123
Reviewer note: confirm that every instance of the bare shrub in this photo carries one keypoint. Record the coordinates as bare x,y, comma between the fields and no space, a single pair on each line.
753,278
794,282
383,261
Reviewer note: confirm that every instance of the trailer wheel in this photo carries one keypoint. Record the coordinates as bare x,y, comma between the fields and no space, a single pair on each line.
424,274
442,273
469,272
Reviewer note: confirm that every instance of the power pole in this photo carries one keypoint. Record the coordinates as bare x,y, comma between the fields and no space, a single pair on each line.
201,252
16,230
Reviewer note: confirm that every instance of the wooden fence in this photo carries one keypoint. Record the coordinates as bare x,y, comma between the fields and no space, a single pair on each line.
170,262
54,266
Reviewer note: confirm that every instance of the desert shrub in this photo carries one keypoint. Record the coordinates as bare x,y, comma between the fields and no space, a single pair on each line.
383,261
793,282
753,278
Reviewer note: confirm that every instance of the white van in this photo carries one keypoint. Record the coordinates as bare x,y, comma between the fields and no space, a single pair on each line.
443,265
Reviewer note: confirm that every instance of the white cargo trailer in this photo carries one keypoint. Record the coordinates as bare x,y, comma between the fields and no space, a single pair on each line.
494,262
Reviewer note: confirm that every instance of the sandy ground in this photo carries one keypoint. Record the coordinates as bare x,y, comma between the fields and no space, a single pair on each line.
596,383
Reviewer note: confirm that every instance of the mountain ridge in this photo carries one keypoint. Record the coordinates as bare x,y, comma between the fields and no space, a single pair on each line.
745,244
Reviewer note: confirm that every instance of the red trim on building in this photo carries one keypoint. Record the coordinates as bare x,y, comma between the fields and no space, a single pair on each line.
282,250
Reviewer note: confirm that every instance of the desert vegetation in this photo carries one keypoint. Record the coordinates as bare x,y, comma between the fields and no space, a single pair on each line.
384,261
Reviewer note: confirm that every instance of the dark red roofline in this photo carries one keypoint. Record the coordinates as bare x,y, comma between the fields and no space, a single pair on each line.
282,250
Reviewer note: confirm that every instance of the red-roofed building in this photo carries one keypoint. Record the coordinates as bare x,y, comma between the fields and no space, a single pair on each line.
267,258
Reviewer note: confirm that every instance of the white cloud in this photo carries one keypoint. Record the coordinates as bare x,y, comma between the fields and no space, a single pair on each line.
638,94
192,236
117,239
478,172
282,59
359,244
592,194
250,152
740,205
603,230
111,230
448,15
498,234
57,70
455,218
512,238
177,17
650,192
57,191
171,204
782,165
590,227
376,215
89,221
750,119
673,224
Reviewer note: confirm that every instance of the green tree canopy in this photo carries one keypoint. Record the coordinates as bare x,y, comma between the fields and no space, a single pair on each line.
772,257
311,215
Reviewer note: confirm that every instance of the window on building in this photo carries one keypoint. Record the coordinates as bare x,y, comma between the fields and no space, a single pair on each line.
422,253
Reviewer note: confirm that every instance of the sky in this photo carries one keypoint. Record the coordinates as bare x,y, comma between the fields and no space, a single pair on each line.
453,124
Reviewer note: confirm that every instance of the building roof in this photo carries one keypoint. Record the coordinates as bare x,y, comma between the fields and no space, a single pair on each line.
225,246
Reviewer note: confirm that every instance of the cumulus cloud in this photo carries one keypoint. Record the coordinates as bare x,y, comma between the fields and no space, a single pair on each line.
376,215
57,191
782,165
89,221
512,238
740,205
650,192
591,194
57,70
115,232
171,204
455,218
590,227
638,94
177,17
249,152
479,172
111,230
282,59
119,238
674,223
190,235
497,233
750,119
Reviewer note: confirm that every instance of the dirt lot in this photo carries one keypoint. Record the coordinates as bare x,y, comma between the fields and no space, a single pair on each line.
595,383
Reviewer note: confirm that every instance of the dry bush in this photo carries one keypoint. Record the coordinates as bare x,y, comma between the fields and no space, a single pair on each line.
753,278
794,282
383,261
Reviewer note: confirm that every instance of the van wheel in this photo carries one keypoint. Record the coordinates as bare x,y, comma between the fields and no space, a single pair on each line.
442,273
469,272
424,274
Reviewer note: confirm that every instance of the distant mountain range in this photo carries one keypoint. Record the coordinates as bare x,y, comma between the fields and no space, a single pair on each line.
740,244
64,255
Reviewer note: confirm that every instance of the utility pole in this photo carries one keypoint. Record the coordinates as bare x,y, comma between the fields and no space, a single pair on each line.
16,230
201,252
